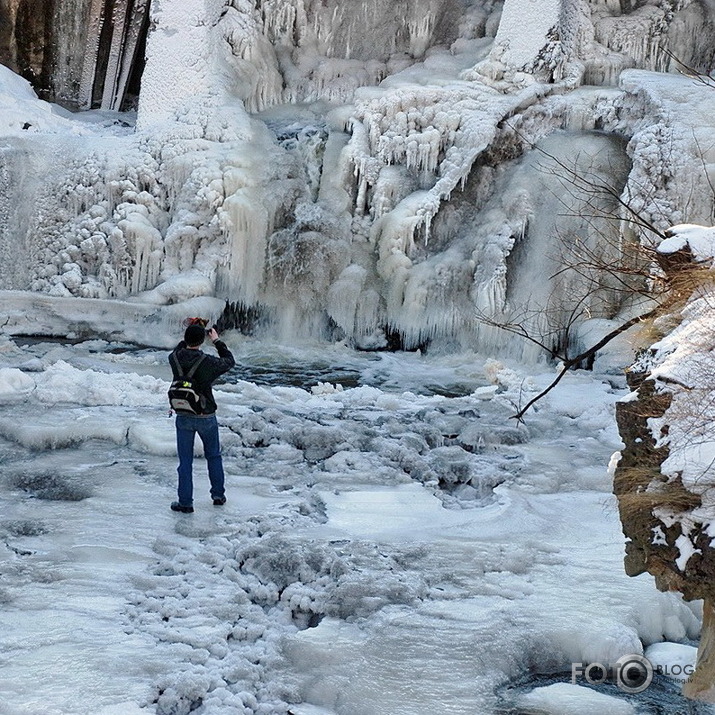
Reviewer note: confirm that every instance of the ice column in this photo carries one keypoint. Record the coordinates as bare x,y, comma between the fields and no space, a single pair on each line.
527,40
246,220
89,65
127,21
525,28
180,60
145,242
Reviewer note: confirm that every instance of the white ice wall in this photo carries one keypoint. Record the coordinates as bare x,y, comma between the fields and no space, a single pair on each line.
353,205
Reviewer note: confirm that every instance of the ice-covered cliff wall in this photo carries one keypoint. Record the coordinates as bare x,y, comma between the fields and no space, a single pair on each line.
377,170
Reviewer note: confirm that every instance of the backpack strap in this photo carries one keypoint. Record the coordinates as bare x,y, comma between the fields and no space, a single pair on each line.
195,366
176,364
192,369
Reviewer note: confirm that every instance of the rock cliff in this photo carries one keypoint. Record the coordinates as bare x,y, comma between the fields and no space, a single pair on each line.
664,479
82,54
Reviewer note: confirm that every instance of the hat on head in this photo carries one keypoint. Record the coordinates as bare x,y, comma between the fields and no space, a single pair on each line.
194,335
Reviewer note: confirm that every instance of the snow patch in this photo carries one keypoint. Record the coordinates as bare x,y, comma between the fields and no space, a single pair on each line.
567,699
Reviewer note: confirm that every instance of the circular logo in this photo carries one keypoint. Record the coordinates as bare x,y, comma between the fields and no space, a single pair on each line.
634,673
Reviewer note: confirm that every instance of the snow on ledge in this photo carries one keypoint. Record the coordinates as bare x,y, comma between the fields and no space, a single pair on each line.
699,239
22,112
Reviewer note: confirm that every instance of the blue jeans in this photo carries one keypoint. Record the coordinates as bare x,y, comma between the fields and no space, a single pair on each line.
207,427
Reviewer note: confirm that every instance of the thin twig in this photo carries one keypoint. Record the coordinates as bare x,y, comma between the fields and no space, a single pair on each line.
568,364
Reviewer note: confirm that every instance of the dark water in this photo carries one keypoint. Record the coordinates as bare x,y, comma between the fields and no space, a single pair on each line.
662,697
305,374
292,374
30,340
287,369
53,340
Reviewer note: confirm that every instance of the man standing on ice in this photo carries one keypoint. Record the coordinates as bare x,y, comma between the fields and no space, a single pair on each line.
183,357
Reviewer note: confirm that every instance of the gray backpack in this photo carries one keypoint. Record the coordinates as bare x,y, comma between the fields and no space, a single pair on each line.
184,398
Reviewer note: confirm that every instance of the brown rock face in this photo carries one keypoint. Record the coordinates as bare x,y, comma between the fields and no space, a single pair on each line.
641,487
644,494
24,47
664,522
669,526
82,54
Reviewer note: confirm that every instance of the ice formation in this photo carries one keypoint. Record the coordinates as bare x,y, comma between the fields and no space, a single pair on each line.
565,699
364,170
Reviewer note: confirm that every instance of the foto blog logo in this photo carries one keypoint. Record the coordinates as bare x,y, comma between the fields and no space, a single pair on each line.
631,673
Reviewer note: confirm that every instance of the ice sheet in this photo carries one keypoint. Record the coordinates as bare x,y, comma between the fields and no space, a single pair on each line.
375,555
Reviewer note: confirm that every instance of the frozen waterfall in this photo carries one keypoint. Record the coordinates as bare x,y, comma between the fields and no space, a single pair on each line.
374,172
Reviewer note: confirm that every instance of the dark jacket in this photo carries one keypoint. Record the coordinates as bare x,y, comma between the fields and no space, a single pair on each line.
210,369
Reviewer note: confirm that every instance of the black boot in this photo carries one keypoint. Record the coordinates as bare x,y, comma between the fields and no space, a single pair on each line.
175,506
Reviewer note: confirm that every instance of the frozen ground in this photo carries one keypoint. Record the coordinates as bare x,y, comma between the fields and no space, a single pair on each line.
397,548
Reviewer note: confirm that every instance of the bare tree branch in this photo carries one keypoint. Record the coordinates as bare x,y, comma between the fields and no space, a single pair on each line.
688,71
568,364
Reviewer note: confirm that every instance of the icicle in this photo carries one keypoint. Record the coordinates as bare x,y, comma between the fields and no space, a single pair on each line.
89,67
391,187
638,35
280,18
144,244
420,30
246,224
394,235
344,297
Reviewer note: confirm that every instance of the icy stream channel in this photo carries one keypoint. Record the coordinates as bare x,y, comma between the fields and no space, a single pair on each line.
385,549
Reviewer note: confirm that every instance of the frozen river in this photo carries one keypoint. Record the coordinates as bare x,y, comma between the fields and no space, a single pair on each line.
393,543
